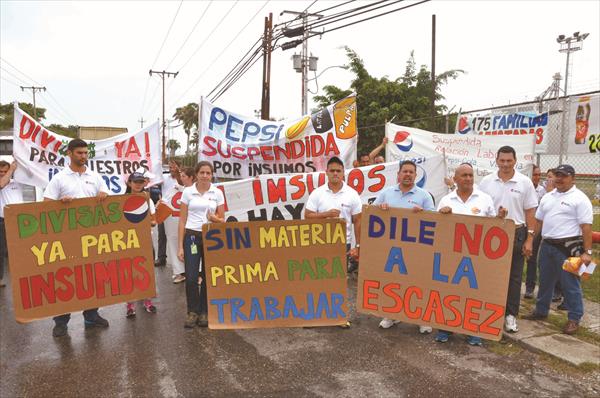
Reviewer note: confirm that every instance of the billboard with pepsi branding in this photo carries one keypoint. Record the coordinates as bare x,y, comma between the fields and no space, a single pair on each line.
242,146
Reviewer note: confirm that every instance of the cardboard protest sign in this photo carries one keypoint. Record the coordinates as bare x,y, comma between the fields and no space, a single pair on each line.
241,146
67,257
478,150
42,153
449,272
276,274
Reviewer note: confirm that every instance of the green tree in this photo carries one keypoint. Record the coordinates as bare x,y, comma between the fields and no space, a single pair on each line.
188,116
173,146
7,113
379,99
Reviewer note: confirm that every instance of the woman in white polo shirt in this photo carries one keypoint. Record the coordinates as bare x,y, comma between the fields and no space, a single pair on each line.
201,203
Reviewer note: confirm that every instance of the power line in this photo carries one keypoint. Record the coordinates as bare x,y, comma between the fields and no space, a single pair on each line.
13,75
17,69
223,50
9,81
239,69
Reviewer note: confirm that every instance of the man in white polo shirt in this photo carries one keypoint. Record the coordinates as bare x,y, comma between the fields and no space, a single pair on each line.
467,200
514,197
564,218
11,192
74,182
337,200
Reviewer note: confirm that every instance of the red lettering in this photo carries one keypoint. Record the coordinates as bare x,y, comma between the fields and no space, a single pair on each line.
367,295
498,313
412,291
448,300
26,121
374,173
119,147
47,138
252,152
66,293
142,282
495,232
125,276
460,232
388,290
84,292
434,306
24,287
539,136
296,181
276,190
40,287
209,149
356,180
106,273
471,304
257,189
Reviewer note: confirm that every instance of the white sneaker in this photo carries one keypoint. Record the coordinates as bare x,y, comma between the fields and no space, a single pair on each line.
425,329
510,324
387,323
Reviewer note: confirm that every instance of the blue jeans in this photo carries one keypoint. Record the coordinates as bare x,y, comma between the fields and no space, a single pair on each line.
196,298
551,259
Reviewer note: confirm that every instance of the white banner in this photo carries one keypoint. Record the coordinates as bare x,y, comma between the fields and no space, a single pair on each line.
41,154
241,146
282,197
583,125
509,124
479,151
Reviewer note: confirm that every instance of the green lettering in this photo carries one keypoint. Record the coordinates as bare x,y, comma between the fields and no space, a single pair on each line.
307,269
321,271
72,218
336,268
28,225
115,212
293,266
57,219
86,217
100,215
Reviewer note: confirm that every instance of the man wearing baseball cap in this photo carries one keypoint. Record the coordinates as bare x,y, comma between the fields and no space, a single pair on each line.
564,218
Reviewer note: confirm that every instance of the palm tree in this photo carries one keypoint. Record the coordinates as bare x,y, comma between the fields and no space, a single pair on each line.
172,146
188,116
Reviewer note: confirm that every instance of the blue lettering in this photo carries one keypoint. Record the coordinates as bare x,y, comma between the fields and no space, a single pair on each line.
220,303
271,310
214,117
212,236
395,258
404,237
255,310
426,236
373,222
236,305
231,129
322,305
290,305
336,305
250,129
437,274
465,270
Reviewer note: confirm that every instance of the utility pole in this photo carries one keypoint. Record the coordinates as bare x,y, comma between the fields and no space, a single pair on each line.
265,108
305,62
33,90
164,123
432,71
141,122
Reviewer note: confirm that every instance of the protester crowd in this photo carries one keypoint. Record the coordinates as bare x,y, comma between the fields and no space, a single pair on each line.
552,221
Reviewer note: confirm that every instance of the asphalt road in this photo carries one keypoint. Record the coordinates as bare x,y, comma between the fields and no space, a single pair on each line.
154,356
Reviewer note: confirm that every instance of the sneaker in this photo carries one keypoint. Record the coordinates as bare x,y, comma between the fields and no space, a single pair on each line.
149,306
534,316
556,298
202,320
179,278
345,325
510,324
442,336
130,310
425,329
562,306
571,327
59,330
528,294
474,340
191,320
97,322
160,263
387,323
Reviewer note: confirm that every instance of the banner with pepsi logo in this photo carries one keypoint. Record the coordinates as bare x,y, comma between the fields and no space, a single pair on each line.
243,146
479,151
583,125
508,124
40,154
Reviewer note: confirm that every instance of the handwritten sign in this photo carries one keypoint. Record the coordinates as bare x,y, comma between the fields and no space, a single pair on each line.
80,255
446,271
276,274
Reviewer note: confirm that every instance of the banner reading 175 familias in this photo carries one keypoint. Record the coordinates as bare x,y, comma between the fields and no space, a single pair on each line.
74,256
242,146
41,154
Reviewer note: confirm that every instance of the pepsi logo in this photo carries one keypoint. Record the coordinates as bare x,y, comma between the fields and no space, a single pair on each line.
421,178
463,125
135,209
403,141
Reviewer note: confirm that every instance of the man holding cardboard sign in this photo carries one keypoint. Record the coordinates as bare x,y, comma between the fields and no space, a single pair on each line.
74,182
468,201
405,195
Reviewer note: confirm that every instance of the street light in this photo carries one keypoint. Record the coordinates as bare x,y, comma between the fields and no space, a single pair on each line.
568,45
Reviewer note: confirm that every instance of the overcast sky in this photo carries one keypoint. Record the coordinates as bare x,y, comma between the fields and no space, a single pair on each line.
94,57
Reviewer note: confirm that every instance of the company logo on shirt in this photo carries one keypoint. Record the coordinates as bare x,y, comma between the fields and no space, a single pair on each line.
475,210
515,190
565,204
89,182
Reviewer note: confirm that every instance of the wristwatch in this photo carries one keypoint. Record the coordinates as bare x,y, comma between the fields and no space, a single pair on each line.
589,252
358,245
530,231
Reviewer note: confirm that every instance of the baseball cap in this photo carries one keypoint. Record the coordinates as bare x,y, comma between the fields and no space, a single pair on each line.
136,177
564,169
146,173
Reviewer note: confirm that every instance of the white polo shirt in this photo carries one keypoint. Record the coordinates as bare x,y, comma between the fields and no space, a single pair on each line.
70,183
516,195
12,193
563,213
346,200
540,191
168,183
200,204
478,204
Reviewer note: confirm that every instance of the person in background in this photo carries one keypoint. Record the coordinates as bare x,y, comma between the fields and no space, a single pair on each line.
515,198
73,182
564,219
11,192
136,184
373,155
365,160
531,279
201,203
168,183
406,195
468,201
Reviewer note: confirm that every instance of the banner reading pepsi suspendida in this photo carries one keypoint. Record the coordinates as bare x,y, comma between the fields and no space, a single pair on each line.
243,146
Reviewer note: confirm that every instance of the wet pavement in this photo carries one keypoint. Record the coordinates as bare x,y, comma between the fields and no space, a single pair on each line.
154,356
